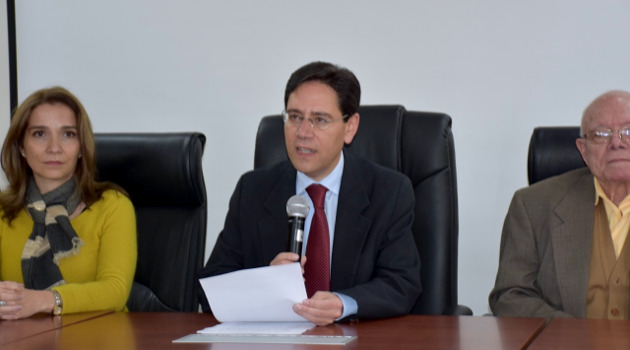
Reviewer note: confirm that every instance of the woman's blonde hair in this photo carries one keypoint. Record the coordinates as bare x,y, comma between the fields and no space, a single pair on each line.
16,168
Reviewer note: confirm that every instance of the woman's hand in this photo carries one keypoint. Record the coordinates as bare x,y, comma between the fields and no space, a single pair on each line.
11,294
36,301
19,302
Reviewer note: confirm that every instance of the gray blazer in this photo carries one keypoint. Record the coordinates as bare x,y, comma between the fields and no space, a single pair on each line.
545,249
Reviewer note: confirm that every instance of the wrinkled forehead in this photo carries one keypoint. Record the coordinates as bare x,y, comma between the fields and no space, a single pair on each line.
608,111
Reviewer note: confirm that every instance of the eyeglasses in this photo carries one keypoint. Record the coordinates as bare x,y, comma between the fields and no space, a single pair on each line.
319,122
605,135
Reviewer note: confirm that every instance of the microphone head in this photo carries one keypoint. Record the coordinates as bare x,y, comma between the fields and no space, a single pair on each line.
298,206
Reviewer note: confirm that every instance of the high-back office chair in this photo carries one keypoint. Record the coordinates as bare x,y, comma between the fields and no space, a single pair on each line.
419,145
162,174
552,151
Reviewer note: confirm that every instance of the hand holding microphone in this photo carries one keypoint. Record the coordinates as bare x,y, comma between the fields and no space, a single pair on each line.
297,210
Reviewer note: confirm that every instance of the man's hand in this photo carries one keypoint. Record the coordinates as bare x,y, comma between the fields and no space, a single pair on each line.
287,258
322,309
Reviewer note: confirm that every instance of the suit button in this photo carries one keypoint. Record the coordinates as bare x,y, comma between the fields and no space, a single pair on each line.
614,312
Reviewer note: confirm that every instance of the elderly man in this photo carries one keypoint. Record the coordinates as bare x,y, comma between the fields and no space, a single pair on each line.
361,259
564,251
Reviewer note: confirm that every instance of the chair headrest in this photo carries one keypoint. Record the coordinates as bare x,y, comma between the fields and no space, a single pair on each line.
379,135
552,151
156,169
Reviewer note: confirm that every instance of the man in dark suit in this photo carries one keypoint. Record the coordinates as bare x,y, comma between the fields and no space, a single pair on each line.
372,265
564,251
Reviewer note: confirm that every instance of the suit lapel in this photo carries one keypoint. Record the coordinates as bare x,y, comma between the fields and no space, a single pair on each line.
351,227
273,228
572,240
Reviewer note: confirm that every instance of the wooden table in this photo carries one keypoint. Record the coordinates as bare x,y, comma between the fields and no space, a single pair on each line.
157,331
571,333
12,331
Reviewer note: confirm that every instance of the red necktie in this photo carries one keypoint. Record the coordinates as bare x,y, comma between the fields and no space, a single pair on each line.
317,268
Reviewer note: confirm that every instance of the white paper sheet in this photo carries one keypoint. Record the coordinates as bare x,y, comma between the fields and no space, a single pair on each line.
258,328
260,294
218,340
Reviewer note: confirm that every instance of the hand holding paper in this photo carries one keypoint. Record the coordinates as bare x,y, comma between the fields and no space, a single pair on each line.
259,294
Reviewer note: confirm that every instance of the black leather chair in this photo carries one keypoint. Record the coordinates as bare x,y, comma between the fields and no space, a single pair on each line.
420,145
552,151
163,175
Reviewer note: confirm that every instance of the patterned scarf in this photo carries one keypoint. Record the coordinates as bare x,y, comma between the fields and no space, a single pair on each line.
53,237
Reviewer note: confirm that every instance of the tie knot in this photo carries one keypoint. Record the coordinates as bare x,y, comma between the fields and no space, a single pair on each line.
317,193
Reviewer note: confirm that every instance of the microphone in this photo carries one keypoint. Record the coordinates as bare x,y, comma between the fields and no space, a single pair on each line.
297,209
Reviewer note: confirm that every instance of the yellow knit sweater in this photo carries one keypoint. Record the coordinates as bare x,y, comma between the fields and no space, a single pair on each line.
99,277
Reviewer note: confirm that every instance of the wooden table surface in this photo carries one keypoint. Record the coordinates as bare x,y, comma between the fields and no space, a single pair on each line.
157,331
575,334
11,331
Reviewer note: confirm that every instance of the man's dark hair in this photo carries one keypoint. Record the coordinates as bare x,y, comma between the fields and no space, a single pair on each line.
340,79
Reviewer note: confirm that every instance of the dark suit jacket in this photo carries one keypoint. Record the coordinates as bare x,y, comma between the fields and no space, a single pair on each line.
374,260
545,249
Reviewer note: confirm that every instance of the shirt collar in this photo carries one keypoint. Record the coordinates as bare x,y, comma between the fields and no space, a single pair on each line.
332,182
599,192
624,206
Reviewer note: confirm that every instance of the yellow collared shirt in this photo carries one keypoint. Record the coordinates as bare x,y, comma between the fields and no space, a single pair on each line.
618,217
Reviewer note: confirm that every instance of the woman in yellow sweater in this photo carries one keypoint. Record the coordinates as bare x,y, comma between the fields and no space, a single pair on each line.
67,242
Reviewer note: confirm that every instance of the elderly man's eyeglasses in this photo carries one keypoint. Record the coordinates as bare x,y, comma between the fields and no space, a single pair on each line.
319,121
605,135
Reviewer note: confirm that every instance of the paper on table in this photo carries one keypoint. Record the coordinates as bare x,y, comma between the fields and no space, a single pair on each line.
259,294
251,328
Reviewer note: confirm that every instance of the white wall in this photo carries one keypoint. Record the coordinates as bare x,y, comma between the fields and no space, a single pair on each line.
499,68
5,102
